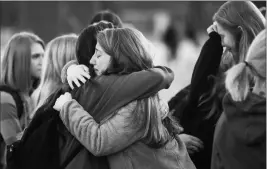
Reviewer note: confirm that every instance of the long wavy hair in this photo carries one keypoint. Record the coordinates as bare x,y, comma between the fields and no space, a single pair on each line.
244,21
130,51
59,51
238,78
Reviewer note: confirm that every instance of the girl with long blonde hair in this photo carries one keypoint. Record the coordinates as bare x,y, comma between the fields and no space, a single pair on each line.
59,51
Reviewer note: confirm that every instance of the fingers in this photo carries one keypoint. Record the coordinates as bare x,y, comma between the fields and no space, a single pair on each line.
215,26
210,29
195,139
67,95
77,82
192,149
81,78
70,83
76,73
196,142
85,74
85,68
56,105
61,100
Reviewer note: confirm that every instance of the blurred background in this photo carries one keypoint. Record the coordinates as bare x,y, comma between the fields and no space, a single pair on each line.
176,28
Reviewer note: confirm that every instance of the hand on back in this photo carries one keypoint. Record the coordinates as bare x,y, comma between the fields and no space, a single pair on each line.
76,73
62,100
193,144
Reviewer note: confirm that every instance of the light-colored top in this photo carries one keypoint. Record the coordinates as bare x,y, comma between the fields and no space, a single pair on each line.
11,125
117,138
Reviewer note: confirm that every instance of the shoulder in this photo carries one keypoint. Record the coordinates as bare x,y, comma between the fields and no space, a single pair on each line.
7,106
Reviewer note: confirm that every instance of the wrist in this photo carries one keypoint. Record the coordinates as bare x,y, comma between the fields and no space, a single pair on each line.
65,104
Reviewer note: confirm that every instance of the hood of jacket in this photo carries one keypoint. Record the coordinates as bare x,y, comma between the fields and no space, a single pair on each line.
246,119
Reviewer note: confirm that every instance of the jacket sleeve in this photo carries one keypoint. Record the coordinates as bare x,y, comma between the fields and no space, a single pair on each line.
113,135
207,64
145,83
65,68
10,125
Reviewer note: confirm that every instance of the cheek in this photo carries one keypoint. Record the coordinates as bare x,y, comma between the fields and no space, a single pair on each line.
105,65
230,41
33,64
105,62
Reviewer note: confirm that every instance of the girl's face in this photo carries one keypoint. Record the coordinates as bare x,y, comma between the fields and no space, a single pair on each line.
227,38
37,53
100,60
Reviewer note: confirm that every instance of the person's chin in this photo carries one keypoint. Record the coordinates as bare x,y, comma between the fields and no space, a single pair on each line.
37,75
97,72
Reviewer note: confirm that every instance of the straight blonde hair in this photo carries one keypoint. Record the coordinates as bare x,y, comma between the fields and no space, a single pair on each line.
253,68
59,51
16,61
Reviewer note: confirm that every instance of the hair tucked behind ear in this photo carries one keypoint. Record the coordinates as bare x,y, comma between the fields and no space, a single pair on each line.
237,81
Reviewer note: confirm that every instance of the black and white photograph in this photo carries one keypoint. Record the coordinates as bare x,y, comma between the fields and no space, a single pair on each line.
133,84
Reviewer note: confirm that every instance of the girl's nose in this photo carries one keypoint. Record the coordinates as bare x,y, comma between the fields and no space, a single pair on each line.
92,60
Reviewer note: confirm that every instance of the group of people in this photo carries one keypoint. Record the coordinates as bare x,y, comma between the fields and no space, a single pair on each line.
114,110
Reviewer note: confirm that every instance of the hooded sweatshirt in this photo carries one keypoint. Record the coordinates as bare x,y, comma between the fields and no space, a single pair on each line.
240,134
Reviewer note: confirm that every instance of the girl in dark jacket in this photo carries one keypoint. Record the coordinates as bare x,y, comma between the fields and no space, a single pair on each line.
236,24
240,134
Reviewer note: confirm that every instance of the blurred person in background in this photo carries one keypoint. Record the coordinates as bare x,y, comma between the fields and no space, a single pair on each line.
171,39
177,48
109,16
58,52
141,130
5,35
236,24
182,63
240,134
21,66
